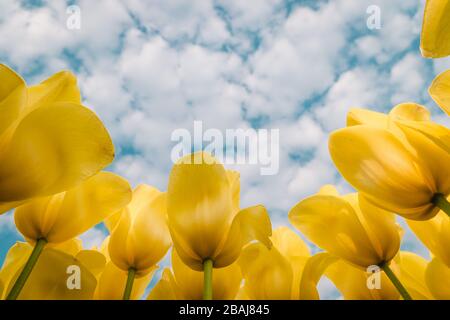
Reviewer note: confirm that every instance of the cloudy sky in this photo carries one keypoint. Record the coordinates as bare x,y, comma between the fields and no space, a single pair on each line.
150,67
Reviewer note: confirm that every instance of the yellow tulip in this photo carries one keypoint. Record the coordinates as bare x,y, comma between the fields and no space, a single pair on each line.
440,91
183,283
435,235
56,219
207,227
407,174
275,273
435,39
51,277
348,227
139,233
437,277
49,142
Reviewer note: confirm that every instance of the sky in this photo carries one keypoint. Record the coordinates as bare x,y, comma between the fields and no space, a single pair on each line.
150,67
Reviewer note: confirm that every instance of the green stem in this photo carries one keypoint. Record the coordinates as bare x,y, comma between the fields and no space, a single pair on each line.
396,282
26,271
207,279
440,201
129,285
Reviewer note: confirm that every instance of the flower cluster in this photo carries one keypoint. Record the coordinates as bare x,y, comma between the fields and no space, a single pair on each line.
53,151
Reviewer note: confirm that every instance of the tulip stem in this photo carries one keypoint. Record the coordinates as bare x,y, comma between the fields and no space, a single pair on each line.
26,271
396,282
129,285
207,279
440,201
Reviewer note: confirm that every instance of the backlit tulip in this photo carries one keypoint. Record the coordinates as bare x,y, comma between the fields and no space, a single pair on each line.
437,277
275,273
56,219
435,39
408,174
50,279
435,235
440,91
351,228
207,227
183,283
49,142
139,233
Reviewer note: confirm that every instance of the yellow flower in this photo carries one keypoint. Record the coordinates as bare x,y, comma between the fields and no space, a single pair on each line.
272,274
112,280
435,39
183,283
348,227
352,282
404,172
437,277
139,233
49,142
435,235
50,279
440,91
204,217
66,215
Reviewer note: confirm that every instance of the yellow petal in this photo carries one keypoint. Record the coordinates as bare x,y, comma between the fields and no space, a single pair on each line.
412,275
112,282
313,271
328,190
249,224
437,277
435,235
93,260
166,288
235,185
267,274
377,164
289,243
15,258
410,111
200,207
68,214
52,276
440,91
13,98
359,116
353,283
333,225
141,237
53,148
435,38
72,246
226,281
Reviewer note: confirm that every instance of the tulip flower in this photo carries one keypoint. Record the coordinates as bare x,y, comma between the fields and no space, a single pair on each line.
50,279
183,283
435,235
112,280
49,142
207,227
407,174
435,39
437,277
351,228
55,219
440,91
275,273
139,234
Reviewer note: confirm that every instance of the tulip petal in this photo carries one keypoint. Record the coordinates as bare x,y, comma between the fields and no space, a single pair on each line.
435,38
440,91
267,274
67,215
53,148
199,204
437,277
359,116
333,225
377,164
93,260
249,224
410,111
166,288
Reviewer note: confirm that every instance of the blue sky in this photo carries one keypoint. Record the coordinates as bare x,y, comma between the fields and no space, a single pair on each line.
150,67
